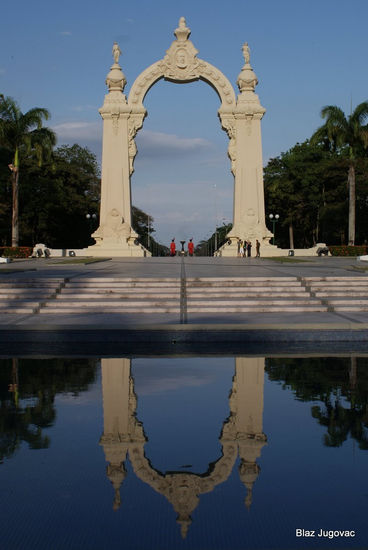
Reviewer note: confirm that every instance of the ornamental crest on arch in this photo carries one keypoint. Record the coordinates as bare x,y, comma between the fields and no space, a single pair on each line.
180,61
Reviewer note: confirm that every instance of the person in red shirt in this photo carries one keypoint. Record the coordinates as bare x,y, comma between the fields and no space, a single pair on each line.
190,247
172,248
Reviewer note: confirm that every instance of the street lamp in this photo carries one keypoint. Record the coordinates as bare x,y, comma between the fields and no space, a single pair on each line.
91,218
274,219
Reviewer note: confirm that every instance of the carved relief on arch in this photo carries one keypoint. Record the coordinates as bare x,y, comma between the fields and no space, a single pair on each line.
135,123
166,68
228,123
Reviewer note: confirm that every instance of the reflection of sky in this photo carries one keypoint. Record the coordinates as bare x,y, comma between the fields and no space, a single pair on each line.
164,374
173,395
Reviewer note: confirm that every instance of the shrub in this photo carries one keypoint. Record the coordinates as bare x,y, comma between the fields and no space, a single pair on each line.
16,251
348,250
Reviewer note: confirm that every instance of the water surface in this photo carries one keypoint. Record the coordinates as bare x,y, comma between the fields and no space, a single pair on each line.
183,453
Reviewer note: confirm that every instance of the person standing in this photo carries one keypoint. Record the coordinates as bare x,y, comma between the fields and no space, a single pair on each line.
190,247
258,249
241,249
249,249
172,248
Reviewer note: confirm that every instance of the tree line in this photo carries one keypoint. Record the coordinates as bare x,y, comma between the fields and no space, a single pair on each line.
319,188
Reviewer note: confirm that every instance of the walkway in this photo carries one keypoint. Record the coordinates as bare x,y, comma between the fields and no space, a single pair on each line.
180,320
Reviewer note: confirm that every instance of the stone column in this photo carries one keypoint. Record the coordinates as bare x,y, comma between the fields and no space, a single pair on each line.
245,151
115,236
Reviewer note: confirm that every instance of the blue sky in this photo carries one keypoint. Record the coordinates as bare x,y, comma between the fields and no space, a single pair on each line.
305,54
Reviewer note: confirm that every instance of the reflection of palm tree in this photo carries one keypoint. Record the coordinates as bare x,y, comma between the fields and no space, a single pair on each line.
341,422
333,381
27,403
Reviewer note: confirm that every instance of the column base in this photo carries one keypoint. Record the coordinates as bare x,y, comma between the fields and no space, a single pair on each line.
117,251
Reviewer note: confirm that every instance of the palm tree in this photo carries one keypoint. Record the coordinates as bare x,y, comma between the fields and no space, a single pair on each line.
22,133
347,134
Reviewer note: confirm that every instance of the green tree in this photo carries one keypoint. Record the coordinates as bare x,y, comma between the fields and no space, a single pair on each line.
306,187
21,133
347,135
57,196
142,223
206,247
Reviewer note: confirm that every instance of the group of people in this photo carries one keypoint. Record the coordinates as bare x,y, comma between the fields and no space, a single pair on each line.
245,249
190,248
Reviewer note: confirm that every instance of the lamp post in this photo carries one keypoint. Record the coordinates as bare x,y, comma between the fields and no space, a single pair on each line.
148,232
91,218
274,219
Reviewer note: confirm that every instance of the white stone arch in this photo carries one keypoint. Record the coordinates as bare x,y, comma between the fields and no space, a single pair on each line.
180,65
240,116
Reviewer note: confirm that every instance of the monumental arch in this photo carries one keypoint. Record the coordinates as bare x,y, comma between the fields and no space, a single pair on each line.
241,436
240,117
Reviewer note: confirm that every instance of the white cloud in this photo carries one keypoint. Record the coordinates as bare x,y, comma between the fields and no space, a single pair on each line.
65,33
71,131
80,108
163,145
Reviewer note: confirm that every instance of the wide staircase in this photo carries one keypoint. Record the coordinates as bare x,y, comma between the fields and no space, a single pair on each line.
27,295
211,295
117,295
340,293
249,295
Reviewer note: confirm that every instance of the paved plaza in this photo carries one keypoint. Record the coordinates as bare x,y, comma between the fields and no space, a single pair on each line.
319,325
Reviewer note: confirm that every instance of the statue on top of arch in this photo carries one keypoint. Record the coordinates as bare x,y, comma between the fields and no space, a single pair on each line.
246,53
116,52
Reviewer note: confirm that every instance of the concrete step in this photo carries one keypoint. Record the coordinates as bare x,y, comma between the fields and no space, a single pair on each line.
124,279
351,308
83,304
245,284
8,310
90,293
27,295
240,279
343,294
122,285
106,309
339,286
336,278
344,302
242,302
257,309
16,303
300,291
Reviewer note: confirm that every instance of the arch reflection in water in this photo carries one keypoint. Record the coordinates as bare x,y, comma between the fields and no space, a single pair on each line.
241,436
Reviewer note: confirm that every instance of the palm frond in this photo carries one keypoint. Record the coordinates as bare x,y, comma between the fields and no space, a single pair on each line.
34,117
360,114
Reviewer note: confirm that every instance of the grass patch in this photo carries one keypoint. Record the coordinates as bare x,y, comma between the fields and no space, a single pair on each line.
286,260
361,268
13,270
79,261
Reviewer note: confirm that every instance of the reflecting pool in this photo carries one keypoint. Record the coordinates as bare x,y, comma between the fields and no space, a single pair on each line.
169,453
